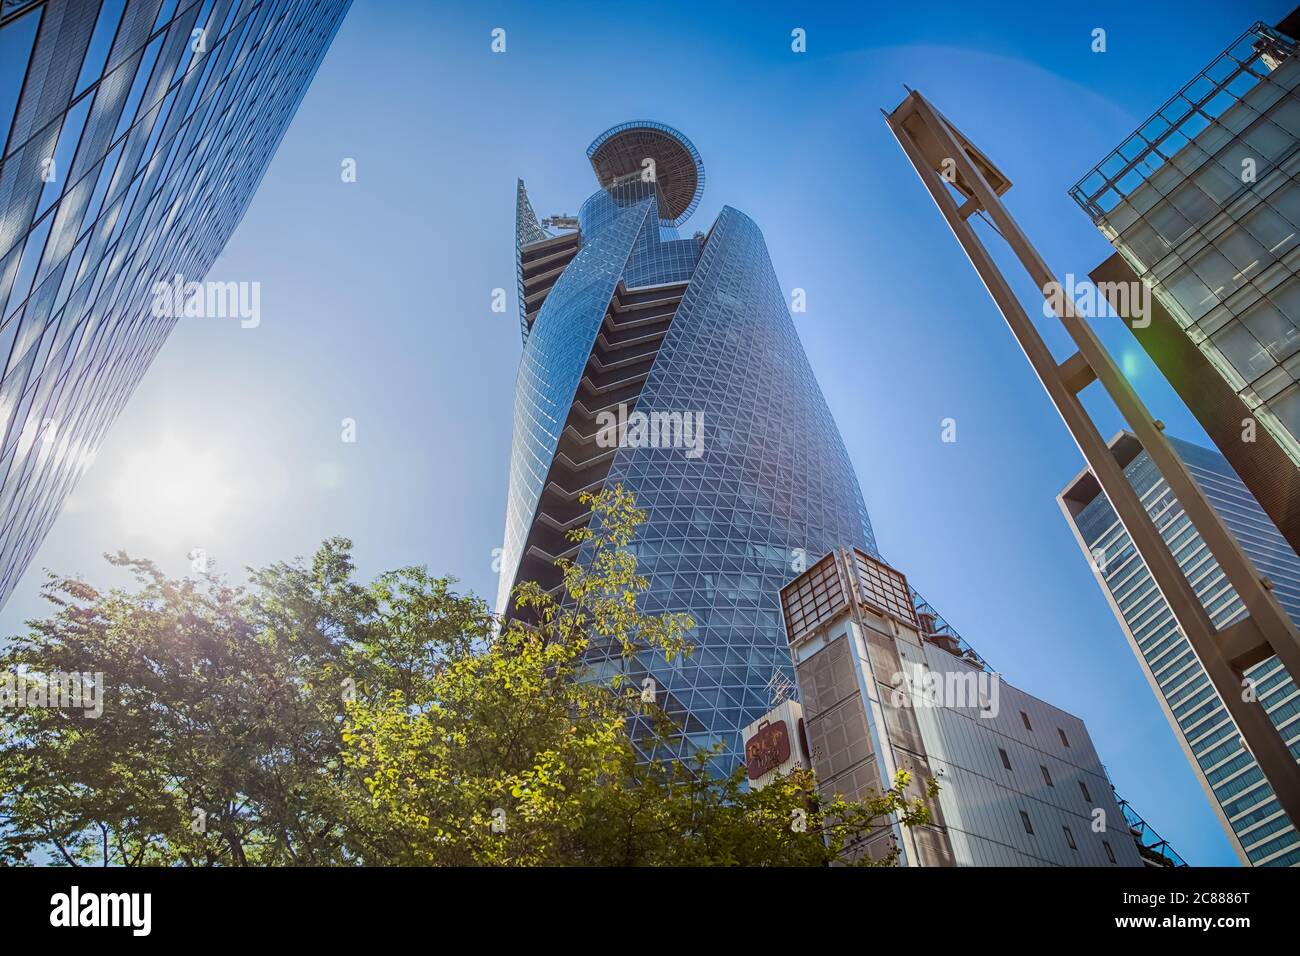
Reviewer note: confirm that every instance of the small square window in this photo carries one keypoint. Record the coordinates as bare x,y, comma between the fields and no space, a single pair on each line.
1242,349
1218,273
1191,293
1006,761
1069,838
1064,739
1287,408
1025,718
1275,332
1168,221
1047,777
1029,827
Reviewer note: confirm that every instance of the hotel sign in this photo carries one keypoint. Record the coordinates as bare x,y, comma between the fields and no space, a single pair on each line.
768,749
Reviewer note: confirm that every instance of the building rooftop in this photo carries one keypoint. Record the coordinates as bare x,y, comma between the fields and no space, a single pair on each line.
678,170
1206,97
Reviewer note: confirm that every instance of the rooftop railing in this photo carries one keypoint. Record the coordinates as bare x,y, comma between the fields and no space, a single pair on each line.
1223,84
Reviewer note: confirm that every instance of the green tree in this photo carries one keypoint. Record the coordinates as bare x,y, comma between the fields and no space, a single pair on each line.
520,752
308,719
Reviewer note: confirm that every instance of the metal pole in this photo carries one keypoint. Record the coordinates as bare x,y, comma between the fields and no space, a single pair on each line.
932,145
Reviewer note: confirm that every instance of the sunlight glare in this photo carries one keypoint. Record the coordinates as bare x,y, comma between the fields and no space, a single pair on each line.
171,494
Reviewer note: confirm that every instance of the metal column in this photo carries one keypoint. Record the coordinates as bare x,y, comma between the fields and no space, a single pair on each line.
946,161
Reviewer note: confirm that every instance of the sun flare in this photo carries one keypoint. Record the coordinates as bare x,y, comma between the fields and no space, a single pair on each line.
172,494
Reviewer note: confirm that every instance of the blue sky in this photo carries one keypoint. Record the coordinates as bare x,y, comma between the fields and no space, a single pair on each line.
376,302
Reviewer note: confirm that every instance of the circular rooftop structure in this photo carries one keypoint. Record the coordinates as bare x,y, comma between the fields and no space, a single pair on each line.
679,171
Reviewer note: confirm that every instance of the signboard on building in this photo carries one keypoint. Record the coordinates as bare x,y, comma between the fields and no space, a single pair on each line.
773,743
767,749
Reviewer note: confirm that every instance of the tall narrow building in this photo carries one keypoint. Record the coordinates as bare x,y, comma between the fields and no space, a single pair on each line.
1258,828
739,465
1202,204
134,134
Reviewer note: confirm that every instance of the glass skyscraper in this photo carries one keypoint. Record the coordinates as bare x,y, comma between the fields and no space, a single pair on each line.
621,312
1203,204
1241,797
134,135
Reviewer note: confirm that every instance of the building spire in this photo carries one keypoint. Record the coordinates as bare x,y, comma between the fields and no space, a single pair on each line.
527,230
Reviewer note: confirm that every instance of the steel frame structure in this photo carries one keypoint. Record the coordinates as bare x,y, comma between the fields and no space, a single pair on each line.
950,166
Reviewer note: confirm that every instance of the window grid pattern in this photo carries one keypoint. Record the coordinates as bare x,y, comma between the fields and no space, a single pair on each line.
659,255
775,482
773,488
723,531
555,355
156,150
885,589
1203,202
814,597
1222,762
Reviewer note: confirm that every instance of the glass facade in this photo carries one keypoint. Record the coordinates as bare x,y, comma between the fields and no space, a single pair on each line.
1227,771
135,133
773,490
774,482
1203,202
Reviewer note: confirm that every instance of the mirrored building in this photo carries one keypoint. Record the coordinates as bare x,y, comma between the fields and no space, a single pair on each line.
624,316
134,134
1202,204
1245,804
